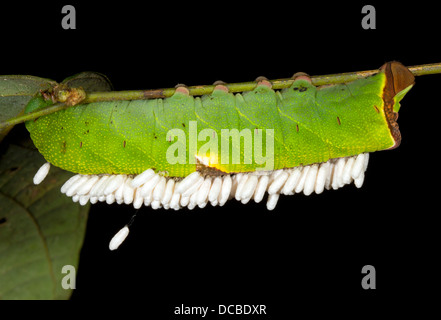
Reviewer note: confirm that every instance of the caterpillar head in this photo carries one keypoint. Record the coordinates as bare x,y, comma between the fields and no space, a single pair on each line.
399,80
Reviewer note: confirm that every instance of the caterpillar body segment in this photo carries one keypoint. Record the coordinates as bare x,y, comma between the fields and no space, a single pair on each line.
181,151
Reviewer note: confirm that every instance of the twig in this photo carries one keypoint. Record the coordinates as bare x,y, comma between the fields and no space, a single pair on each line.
277,84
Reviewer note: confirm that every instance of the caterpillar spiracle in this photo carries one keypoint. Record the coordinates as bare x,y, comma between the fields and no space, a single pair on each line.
186,151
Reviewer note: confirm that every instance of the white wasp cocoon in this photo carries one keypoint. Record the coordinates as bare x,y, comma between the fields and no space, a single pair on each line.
119,238
197,190
42,173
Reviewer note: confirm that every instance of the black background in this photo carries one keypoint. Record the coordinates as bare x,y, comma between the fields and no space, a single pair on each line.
309,249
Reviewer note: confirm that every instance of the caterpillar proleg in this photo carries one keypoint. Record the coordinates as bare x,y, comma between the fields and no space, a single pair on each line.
187,151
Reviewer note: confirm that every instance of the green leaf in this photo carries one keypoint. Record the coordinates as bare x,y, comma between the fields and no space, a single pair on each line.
15,92
89,81
41,230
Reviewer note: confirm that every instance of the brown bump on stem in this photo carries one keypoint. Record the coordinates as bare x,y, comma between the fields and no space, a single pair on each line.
81,144
69,96
124,143
153,94
338,121
376,109
398,77
297,127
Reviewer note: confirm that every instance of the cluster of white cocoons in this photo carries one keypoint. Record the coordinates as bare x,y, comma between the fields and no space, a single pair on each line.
157,191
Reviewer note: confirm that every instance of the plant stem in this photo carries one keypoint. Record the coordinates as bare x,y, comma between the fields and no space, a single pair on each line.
33,115
277,84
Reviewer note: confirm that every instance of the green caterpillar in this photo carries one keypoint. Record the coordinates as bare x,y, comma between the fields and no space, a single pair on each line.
185,151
